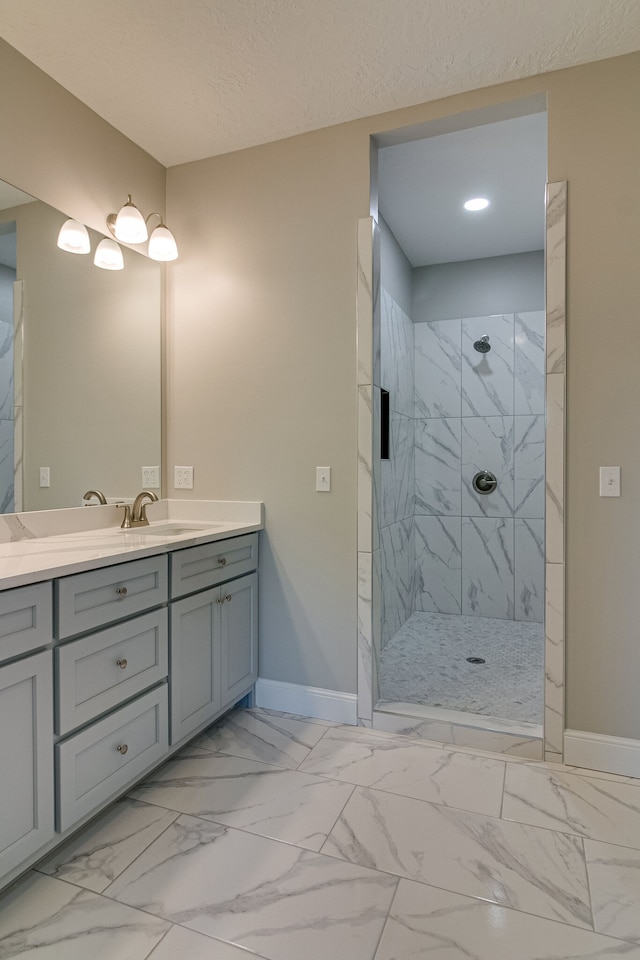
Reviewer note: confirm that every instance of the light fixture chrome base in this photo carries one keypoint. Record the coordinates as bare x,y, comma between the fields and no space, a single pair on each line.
111,223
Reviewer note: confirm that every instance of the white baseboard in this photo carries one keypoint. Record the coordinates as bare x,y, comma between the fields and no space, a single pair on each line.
598,752
307,701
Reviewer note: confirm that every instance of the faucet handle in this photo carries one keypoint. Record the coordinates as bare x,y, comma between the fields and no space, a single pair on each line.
126,520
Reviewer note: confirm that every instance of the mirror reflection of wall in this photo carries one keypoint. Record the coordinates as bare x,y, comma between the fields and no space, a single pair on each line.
7,280
90,368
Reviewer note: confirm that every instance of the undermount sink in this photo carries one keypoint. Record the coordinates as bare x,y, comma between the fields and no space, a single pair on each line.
175,529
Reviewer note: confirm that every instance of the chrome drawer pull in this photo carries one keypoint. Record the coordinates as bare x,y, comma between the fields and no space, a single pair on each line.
122,748
222,561
122,592
122,663
229,597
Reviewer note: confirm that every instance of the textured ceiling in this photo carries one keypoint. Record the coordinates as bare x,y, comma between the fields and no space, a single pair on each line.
188,79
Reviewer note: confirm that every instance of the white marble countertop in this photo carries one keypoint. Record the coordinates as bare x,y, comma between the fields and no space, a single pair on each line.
53,543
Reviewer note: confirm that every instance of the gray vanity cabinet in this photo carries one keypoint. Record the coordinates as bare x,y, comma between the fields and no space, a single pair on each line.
104,673
26,759
214,637
26,717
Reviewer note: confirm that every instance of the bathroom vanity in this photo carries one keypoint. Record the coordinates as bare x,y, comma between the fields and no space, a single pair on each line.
116,648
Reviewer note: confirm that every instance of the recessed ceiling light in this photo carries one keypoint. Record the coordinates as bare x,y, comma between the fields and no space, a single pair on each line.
476,203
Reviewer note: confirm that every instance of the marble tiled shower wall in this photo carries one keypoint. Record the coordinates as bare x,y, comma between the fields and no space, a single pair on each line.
454,411
394,487
480,555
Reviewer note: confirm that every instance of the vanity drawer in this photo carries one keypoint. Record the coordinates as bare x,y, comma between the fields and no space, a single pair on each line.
99,671
89,600
197,568
100,761
25,619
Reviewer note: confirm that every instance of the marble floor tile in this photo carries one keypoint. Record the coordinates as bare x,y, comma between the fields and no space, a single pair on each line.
46,919
594,808
410,769
282,902
614,879
185,944
263,799
536,871
96,855
426,922
258,735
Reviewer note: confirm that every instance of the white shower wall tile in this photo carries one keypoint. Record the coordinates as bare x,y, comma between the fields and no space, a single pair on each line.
488,567
437,467
556,260
529,570
396,355
438,369
6,370
554,499
365,467
529,362
529,461
6,466
438,545
365,636
397,473
364,300
397,573
487,444
487,378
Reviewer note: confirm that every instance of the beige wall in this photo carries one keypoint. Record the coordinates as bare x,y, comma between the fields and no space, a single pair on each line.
58,150
261,379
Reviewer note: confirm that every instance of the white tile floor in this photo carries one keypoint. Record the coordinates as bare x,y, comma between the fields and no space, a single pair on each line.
288,839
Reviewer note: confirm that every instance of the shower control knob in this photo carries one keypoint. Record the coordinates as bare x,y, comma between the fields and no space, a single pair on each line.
484,482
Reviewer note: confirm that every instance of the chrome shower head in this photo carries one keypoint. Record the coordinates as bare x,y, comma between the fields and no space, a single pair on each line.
482,345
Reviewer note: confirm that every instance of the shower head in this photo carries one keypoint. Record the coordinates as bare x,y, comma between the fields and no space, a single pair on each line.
482,345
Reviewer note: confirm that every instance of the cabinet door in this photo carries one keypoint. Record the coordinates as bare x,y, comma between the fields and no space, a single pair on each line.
195,662
26,758
239,637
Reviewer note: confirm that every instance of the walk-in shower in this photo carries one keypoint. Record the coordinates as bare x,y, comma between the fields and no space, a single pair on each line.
459,503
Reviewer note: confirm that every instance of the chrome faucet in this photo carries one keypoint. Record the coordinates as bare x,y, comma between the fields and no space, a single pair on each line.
139,509
97,494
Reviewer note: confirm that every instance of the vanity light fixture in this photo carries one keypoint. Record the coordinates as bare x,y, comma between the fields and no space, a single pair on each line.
476,203
162,244
74,237
108,255
129,226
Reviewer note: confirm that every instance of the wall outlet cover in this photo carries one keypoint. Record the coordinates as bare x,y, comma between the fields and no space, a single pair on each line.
183,478
151,478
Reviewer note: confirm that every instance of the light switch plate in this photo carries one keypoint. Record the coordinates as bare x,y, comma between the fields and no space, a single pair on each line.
45,477
609,481
323,479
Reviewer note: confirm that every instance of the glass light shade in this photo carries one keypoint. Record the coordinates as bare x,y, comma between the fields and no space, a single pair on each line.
108,255
162,245
130,226
74,237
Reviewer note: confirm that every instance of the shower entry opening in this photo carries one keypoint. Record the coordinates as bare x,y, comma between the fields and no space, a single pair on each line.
459,367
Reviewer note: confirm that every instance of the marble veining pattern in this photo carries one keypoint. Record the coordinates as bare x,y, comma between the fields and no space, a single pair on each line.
488,567
438,369
529,570
437,467
487,378
545,865
438,579
529,362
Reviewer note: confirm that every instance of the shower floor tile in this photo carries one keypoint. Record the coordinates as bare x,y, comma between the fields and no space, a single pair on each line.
426,662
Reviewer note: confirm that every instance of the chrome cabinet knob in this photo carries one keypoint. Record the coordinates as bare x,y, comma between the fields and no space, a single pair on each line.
123,663
122,748
122,592
229,597
220,600
222,561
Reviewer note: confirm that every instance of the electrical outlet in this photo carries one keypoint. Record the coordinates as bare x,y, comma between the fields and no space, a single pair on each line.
183,478
45,477
151,478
